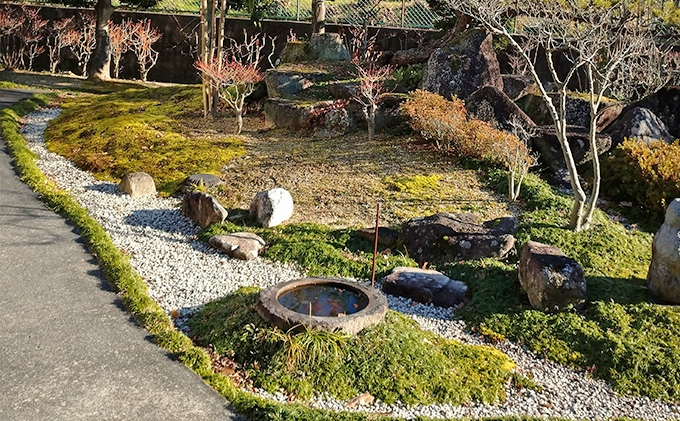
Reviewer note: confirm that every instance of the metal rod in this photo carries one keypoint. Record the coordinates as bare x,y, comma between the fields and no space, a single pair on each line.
297,17
375,246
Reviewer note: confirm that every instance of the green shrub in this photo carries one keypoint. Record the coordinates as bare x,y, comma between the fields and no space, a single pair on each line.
648,175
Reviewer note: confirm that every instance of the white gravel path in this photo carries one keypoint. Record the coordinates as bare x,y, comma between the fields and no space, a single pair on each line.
183,274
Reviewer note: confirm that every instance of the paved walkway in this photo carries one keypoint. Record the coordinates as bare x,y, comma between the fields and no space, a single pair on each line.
68,351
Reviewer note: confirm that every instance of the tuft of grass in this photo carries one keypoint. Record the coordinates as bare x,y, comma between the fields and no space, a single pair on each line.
319,250
621,337
394,361
139,130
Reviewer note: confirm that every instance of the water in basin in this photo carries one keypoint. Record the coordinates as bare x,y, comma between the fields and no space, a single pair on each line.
324,300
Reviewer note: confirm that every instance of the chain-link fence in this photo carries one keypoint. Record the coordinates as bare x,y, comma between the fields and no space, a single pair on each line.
385,13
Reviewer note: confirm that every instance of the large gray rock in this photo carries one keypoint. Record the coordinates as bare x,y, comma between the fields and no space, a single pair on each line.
639,123
516,86
578,110
241,245
491,104
386,236
200,180
286,113
461,68
550,151
137,184
424,286
447,237
328,46
336,122
551,280
270,208
665,104
663,278
203,209
283,82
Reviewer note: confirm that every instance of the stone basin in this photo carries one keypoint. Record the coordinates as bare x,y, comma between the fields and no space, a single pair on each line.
332,304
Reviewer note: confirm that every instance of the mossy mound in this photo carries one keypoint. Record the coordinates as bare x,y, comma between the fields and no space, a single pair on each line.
394,361
139,130
319,250
621,337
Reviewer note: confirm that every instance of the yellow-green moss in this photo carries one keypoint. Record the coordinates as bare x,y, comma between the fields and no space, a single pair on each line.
139,130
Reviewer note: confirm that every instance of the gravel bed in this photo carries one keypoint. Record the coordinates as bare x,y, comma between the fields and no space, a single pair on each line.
183,274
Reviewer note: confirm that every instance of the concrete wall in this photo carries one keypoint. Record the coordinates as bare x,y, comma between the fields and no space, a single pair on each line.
177,47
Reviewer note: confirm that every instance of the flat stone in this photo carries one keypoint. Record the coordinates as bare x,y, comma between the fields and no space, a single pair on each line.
241,245
137,184
551,280
425,286
204,180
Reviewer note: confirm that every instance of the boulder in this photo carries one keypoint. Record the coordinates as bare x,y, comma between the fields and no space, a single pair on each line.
241,245
270,208
665,104
295,52
336,122
424,286
447,237
282,82
663,278
578,110
286,113
550,152
461,68
639,123
551,280
343,90
204,180
386,236
516,86
137,184
203,209
328,46
492,105
389,112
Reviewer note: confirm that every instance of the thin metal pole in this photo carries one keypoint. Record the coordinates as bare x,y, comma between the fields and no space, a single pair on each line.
375,246
298,10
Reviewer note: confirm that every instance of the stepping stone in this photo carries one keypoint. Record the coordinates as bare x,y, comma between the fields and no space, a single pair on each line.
206,180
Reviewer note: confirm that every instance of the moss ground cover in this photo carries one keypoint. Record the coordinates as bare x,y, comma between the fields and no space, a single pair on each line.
139,130
394,361
319,250
621,337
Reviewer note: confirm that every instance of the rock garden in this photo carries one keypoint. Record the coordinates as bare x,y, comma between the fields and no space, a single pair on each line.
442,274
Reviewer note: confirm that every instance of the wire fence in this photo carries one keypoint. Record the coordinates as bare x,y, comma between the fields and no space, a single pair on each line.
393,14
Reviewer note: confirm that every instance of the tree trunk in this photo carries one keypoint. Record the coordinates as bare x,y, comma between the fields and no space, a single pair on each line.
239,120
318,17
371,122
98,68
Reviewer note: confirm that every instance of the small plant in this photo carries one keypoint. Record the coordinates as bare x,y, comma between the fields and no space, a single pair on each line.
436,119
59,38
143,37
409,77
235,75
120,37
371,88
82,41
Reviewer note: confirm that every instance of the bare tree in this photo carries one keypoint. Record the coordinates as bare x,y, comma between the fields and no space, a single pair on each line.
143,37
33,34
371,88
57,39
11,45
606,42
84,40
120,37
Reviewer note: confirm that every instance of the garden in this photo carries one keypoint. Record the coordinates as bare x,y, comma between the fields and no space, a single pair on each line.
509,293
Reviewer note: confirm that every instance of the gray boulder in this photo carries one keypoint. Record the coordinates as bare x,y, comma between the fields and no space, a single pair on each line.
328,46
241,245
424,286
461,68
516,86
639,123
343,90
663,278
203,209
578,110
137,184
281,82
336,122
665,104
551,280
550,151
491,104
205,180
270,208
386,236
448,237
281,113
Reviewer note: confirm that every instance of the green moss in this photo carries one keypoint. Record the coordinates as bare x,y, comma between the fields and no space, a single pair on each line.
418,185
138,130
624,339
319,250
394,360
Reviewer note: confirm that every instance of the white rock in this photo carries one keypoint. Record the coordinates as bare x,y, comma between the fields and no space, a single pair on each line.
270,208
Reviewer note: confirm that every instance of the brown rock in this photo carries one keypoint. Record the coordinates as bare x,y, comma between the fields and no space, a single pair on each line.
241,245
551,280
491,104
137,184
203,209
